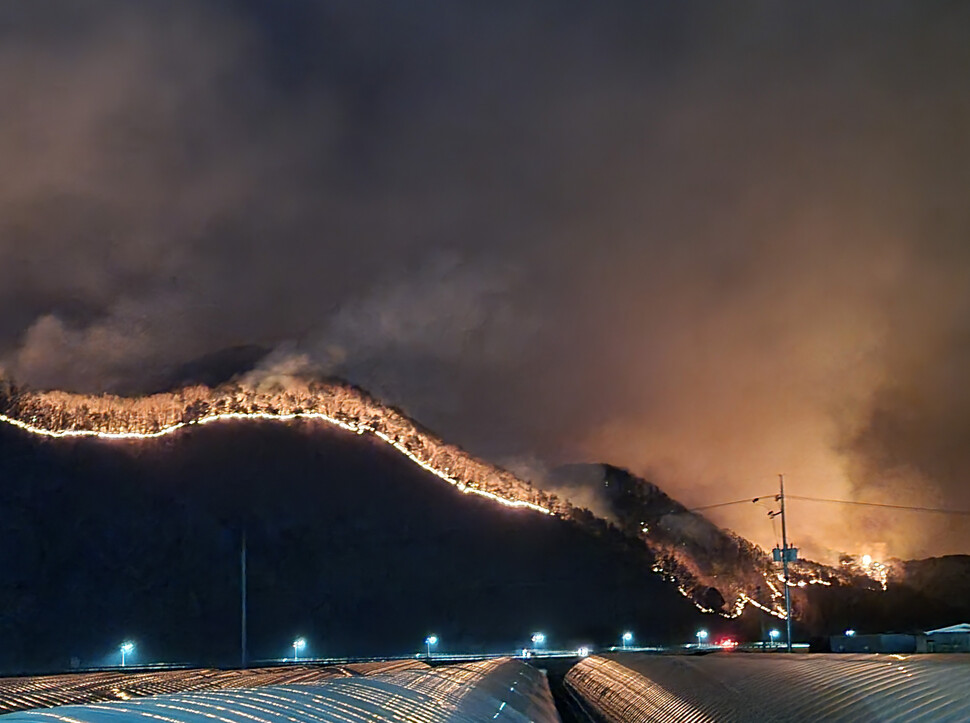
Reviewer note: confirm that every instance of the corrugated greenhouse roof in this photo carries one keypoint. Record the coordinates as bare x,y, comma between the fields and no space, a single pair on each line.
44,691
635,688
501,690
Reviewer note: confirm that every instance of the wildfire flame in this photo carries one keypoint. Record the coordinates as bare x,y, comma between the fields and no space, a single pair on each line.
874,569
60,415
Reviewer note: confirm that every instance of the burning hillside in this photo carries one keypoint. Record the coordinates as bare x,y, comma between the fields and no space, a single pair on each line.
60,414
717,570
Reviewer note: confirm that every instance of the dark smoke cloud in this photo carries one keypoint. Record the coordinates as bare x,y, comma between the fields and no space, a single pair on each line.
706,244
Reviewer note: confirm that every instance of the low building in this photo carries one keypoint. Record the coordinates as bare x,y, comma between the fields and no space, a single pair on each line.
877,643
953,639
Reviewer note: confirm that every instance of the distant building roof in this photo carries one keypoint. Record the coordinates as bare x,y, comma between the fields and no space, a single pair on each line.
958,628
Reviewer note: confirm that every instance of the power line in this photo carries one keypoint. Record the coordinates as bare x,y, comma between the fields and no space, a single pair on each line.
909,508
746,500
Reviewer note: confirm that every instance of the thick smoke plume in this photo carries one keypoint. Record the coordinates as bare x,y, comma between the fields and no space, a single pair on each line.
707,246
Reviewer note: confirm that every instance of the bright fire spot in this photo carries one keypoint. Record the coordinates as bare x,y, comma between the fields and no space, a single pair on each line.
876,570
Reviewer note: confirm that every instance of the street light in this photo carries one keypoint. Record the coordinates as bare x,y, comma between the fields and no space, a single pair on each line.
538,639
429,641
126,648
298,645
701,635
850,633
774,636
627,638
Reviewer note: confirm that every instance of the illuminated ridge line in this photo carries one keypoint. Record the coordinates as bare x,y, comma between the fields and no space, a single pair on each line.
358,428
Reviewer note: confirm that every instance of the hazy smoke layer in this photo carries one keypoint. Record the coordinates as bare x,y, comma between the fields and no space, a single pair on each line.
710,245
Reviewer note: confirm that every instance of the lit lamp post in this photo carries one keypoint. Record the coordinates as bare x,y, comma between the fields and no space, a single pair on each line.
538,639
774,637
627,638
701,636
126,648
430,641
298,645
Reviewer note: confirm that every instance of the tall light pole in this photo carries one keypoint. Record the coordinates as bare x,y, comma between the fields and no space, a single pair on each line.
298,645
126,648
429,641
774,637
701,635
784,558
242,616
538,639
627,638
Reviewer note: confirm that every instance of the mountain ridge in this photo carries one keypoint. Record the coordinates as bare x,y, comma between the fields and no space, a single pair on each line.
64,414
710,564
716,569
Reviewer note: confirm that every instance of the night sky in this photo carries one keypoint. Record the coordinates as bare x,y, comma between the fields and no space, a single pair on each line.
708,243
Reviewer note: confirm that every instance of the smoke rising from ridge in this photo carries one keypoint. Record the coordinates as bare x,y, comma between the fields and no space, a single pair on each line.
707,246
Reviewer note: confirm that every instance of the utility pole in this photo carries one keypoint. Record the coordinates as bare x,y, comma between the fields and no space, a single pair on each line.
242,621
784,558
